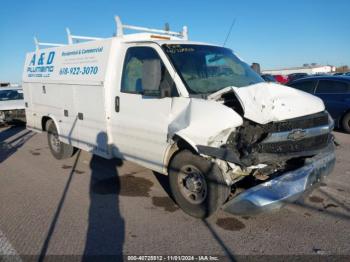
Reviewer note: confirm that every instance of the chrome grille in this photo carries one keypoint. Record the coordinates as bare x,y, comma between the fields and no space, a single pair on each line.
308,144
318,119
301,134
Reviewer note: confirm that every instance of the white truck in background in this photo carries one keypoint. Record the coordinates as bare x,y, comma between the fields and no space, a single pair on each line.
193,111
11,104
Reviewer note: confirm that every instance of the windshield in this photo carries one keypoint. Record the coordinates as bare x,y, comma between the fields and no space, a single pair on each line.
207,69
6,95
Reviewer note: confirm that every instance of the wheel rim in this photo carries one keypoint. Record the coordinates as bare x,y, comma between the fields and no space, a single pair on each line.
192,184
55,142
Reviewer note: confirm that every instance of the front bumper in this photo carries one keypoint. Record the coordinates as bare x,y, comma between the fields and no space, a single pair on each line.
288,187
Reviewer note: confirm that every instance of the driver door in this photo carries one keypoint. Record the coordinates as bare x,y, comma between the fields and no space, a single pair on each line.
139,124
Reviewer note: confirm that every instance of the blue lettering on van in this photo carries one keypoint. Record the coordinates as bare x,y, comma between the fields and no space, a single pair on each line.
41,59
50,58
32,62
40,66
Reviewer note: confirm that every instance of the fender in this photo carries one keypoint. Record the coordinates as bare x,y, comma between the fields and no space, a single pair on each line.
55,121
173,148
187,140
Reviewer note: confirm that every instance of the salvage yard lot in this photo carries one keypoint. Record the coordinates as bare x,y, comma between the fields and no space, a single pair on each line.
88,205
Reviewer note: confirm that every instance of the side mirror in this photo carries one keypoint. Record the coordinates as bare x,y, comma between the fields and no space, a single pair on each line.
151,76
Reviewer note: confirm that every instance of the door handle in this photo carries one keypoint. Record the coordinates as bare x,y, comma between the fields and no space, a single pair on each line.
117,104
80,116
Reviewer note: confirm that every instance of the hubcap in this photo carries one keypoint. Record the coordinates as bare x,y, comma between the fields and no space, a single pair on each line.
55,142
192,184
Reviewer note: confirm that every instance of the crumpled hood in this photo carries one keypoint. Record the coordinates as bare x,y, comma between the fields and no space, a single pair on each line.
267,102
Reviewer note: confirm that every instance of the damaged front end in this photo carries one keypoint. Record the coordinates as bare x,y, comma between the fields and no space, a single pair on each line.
272,163
285,188
280,141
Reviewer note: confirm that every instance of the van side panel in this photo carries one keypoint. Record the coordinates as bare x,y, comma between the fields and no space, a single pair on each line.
51,100
91,118
67,114
30,114
77,110
66,84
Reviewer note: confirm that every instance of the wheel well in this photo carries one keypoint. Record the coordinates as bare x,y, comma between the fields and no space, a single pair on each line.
178,145
183,144
345,113
44,121
340,125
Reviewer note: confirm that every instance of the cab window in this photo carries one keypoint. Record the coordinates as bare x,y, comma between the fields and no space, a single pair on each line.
145,74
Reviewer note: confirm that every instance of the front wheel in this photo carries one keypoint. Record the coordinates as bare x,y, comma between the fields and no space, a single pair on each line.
197,184
58,149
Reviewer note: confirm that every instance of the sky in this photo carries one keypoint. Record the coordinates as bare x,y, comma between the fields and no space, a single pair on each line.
274,33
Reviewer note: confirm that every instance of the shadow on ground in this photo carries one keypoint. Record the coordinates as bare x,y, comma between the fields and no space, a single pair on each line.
11,139
106,229
105,234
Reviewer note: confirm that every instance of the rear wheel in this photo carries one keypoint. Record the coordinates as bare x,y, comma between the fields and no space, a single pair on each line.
197,184
58,149
346,123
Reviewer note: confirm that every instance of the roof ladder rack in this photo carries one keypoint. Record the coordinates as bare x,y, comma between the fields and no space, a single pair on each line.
120,32
71,37
120,29
38,44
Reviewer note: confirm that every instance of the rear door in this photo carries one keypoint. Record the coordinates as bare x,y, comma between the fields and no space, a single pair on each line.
335,95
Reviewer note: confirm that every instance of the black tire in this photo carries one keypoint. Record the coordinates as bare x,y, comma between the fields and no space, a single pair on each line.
217,190
346,123
58,149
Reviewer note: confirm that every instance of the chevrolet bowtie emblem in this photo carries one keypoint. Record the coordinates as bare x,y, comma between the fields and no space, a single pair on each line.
297,134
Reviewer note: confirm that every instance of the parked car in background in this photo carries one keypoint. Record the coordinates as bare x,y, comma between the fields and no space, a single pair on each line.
296,76
335,93
281,79
342,74
11,105
5,84
268,78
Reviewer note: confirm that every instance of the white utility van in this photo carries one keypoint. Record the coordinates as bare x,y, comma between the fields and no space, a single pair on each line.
193,111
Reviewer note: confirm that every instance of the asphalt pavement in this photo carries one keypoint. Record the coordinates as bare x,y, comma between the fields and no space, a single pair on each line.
87,205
